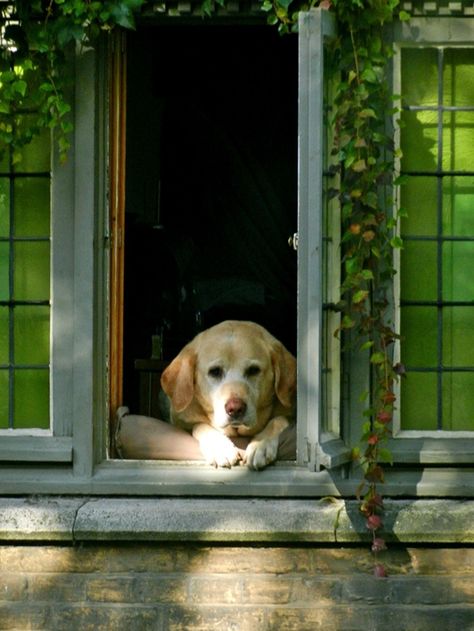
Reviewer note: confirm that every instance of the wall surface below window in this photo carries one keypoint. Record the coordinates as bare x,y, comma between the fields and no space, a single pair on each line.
232,564
244,588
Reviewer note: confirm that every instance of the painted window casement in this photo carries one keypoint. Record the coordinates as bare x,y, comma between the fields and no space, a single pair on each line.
113,261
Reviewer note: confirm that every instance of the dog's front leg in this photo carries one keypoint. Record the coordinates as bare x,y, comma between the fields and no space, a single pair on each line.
216,448
263,448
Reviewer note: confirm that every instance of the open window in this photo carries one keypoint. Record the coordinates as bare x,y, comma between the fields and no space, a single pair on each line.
215,186
211,188
210,162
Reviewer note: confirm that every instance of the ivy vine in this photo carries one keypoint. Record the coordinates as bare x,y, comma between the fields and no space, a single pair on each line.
365,158
35,37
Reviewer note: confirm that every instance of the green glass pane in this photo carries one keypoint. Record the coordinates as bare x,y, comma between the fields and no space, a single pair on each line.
458,336
458,401
5,161
4,334
31,330
419,282
35,157
4,271
32,271
31,399
419,67
418,401
4,207
458,141
419,199
458,263
32,207
419,331
4,398
419,141
458,78
458,206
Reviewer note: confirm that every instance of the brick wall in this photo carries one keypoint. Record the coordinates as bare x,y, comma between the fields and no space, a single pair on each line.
135,587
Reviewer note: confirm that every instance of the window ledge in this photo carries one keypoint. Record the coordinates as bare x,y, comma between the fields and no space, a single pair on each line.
230,520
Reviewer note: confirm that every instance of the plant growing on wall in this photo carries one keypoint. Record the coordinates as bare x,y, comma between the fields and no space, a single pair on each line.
35,38
365,160
363,157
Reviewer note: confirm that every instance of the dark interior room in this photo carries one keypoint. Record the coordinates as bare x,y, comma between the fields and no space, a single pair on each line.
210,187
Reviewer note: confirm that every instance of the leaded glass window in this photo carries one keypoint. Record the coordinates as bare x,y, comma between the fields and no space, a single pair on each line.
25,299
437,287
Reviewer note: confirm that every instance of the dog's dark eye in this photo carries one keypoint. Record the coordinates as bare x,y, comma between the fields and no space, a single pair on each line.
216,372
252,371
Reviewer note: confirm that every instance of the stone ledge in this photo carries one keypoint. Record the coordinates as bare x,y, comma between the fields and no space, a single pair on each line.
230,520
38,519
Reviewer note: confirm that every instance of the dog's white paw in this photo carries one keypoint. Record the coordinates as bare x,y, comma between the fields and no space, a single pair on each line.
261,453
218,450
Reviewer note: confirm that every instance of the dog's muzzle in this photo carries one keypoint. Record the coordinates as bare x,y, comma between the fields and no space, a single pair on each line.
235,409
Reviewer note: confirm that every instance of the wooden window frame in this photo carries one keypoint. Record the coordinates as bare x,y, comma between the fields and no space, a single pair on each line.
117,158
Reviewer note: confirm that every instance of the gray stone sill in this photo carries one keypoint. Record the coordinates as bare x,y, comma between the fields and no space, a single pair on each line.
76,520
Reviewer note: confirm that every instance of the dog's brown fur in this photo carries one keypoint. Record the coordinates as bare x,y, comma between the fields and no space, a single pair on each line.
234,379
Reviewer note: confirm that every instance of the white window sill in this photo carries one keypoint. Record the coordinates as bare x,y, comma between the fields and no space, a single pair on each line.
274,521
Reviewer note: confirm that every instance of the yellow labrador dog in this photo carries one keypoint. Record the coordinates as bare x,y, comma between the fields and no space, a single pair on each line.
234,379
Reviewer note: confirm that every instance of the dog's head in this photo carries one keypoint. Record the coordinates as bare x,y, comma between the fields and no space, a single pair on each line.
234,376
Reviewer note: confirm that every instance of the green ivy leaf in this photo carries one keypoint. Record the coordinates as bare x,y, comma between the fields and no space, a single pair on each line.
285,4
367,426
46,87
347,322
396,242
206,7
377,358
20,86
371,199
360,296
352,266
402,212
401,179
355,453
359,165
369,75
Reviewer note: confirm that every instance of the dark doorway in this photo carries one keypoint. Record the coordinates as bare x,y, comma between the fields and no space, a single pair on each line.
210,187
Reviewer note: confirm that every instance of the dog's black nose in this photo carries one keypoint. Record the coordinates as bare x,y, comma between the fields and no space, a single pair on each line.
235,408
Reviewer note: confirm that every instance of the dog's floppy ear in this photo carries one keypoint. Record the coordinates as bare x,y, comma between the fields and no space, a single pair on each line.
177,379
284,367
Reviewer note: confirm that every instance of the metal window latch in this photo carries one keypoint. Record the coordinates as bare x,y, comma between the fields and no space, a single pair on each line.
293,241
